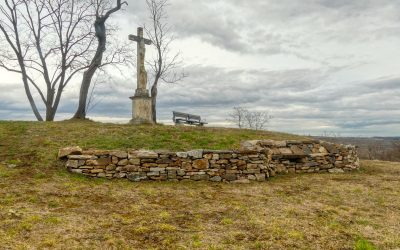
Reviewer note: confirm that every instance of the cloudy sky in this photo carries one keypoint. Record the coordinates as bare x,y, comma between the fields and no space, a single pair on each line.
318,66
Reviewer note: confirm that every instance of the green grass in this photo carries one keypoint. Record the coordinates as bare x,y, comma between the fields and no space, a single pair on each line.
24,142
44,207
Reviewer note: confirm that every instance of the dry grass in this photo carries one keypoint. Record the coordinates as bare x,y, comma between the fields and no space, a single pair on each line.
42,206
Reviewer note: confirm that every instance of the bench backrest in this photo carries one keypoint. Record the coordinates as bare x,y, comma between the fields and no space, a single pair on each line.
188,117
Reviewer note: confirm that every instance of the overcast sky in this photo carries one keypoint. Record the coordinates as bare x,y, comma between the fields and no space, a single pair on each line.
316,65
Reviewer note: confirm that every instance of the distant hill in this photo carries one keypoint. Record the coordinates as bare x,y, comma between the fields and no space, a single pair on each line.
373,148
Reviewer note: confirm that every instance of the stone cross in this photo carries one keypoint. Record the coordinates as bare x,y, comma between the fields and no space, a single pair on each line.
141,52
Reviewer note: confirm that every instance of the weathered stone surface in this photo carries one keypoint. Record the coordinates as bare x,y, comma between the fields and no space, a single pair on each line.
285,151
99,162
216,179
200,164
123,162
82,157
196,154
119,154
238,166
200,177
72,164
69,151
143,154
182,154
230,177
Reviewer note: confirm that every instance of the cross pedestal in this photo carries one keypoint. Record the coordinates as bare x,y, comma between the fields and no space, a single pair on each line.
142,112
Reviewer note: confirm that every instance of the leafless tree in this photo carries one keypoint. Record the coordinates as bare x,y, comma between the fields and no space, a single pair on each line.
103,10
49,43
237,116
165,66
244,118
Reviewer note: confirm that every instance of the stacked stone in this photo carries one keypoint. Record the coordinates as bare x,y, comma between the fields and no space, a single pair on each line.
307,156
139,165
257,160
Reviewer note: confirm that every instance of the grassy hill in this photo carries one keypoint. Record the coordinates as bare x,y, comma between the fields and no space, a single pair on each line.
44,207
39,142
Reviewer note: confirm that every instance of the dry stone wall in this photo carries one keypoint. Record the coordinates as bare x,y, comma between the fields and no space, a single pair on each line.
255,161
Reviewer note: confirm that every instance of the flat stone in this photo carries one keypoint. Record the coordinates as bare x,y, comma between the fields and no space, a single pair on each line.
253,144
99,162
230,177
143,154
119,154
285,151
62,153
196,154
123,162
134,161
120,175
182,154
157,169
200,164
96,171
200,177
153,174
136,177
76,171
82,157
72,164
216,179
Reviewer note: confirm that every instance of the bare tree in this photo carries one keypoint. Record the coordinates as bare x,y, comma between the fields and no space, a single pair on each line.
244,118
103,10
47,42
50,42
165,66
237,116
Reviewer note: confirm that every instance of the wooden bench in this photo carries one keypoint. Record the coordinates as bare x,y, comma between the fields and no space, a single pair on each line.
183,118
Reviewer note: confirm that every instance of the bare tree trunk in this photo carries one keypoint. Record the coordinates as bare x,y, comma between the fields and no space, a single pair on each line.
29,94
87,79
154,93
101,34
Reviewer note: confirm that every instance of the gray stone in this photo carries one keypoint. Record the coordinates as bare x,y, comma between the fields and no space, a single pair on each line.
216,179
196,154
230,177
200,177
143,154
182,154
72,164
82,157
136,177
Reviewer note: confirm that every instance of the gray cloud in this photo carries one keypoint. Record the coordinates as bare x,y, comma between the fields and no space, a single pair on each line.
341,79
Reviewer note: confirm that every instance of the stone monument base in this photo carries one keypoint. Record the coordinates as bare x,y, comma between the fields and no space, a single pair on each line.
141,110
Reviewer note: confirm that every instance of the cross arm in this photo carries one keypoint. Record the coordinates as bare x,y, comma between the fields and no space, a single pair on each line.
139,39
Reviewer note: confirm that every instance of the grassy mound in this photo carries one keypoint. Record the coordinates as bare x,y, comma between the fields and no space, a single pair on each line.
39,142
